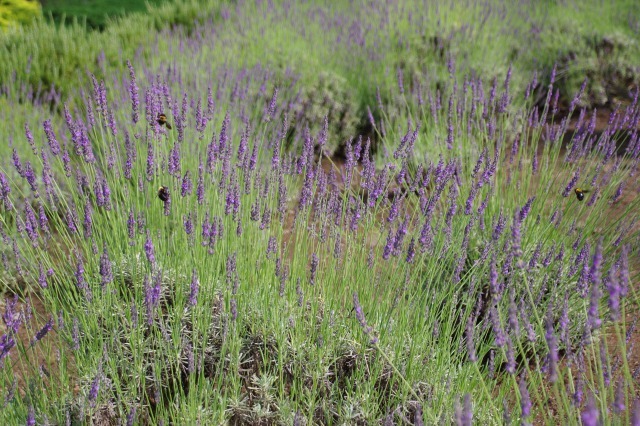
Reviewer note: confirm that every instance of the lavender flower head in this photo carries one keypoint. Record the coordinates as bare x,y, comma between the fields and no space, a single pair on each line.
464,414
152,295
131,416
471,350
187,185
270,111
571,184
635,415
552,343
105,267
525,401
590,414
43,331
194,288
313,268
31,416
596,279
361,319
95,388
149,250
234,309
133,92
81,281
618,403
51,137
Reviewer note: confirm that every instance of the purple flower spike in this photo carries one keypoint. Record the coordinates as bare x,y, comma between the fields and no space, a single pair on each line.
43,331
635,415
131,225
131,417
152,295
400,80
596,279
270,112
188,224
6,343
571,184
51,137
200,188
618,403
471,350
95,388
511,361
105,267
30,176
525,401
81,281
31,224
174,160
151,162
88,221
411,251
386,252
464,414
234,310
31,416
187,185
233,279
42,277
313,268
5,189
524,211
133,92
590,414
75,334
361,319
149,250
552,343
194,288
417,419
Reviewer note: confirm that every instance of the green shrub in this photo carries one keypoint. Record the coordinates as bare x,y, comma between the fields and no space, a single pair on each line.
14,12
58,57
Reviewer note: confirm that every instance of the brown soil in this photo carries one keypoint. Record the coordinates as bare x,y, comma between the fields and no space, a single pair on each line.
42,356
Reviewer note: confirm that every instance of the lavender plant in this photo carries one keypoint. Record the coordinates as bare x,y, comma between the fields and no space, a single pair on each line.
219,270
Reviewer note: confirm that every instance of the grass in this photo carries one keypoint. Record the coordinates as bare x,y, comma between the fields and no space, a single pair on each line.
440,269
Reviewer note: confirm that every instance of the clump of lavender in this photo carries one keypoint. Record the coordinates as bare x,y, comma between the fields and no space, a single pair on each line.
391,215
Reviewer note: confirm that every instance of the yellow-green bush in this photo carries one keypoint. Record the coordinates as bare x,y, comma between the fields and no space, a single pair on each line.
14,12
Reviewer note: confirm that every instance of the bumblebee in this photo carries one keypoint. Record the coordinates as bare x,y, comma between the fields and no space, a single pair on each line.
162,120
163,193
580,193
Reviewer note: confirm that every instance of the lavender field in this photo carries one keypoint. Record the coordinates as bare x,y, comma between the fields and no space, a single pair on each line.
270,212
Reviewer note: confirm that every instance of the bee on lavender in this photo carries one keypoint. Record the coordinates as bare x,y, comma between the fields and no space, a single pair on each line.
162,120
580,193
163,193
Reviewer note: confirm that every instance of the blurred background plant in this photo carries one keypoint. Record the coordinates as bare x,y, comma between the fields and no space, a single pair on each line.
14,13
